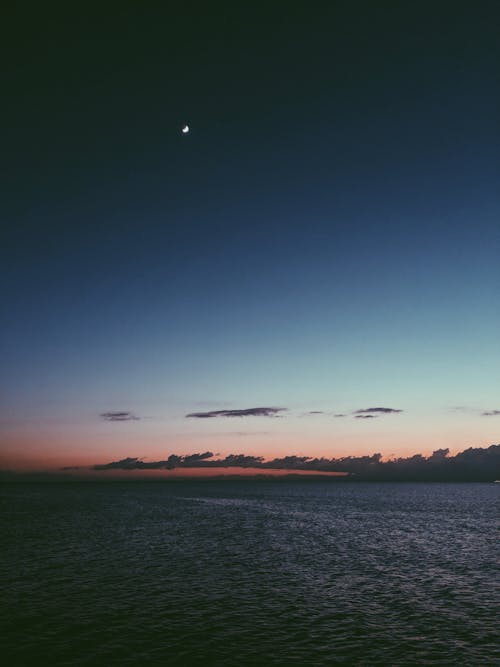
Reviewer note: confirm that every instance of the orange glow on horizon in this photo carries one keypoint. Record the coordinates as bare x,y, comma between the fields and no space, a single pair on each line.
38,452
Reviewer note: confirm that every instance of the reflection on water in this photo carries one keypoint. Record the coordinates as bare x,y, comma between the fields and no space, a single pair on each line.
249,573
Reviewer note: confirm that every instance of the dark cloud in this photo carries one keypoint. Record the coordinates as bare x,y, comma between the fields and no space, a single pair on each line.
119,416
339,415
197,460
133,463
439,454
366,416
385,411
193,459
470,465
242,461
248,412
173,461
490,413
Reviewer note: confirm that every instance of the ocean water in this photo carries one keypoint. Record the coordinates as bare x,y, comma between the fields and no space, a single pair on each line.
249,572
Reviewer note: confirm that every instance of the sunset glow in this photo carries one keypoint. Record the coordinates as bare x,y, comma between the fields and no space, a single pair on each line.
255,287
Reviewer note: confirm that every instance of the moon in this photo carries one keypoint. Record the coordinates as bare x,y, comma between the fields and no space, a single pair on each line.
185,129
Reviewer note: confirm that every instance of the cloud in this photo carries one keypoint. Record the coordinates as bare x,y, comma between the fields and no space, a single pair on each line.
470,465
193,459
242,461
197,460
366,416
131,463
385,411
339,415
483,413
119,416
248,412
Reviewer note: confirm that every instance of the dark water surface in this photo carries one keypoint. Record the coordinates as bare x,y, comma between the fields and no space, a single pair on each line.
249,573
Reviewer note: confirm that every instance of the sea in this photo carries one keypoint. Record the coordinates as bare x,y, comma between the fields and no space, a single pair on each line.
237,572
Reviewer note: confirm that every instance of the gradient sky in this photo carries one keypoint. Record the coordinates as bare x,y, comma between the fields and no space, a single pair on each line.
326,238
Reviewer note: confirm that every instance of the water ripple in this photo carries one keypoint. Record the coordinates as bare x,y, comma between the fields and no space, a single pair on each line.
249,573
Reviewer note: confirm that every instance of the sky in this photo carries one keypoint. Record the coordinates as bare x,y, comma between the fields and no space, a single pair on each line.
323,242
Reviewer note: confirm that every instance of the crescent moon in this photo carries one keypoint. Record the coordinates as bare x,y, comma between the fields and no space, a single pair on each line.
185,129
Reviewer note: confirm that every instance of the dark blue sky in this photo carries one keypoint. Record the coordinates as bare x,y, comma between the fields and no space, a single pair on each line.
327,234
